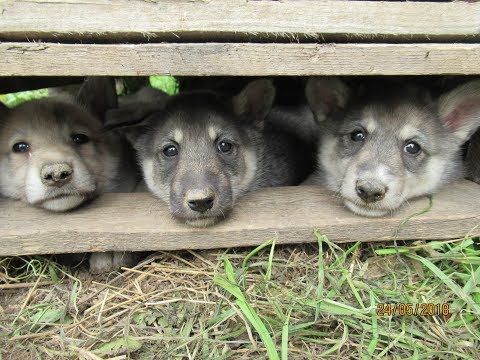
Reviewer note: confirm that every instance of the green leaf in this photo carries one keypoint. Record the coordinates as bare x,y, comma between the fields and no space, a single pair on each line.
118,346
47,315
167,84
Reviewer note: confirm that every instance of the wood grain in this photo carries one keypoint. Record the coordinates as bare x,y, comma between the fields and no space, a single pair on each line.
237,20
49,59
138,221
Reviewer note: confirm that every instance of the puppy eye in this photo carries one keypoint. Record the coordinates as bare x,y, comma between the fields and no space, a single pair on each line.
21,147
357,135
170,150
224,146
412,148
80,139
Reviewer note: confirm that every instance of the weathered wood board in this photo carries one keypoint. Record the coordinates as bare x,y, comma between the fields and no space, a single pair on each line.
237,20
50,59
138,221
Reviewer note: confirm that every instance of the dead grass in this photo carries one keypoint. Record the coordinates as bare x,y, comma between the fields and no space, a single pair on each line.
300,302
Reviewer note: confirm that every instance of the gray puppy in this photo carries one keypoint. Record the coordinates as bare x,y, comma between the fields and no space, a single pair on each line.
391,142
55,155
202,151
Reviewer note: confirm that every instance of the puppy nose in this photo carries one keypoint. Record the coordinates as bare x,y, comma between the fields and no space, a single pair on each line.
56,174
201,205
370,190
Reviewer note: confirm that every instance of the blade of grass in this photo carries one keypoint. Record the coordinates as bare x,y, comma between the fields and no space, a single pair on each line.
255,251
373,344
447,281
339,344
391,251
232,287
268,274
418,213
345,254
345,272
320,270
285,336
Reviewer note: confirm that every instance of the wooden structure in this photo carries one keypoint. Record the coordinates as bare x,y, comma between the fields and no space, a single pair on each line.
234,37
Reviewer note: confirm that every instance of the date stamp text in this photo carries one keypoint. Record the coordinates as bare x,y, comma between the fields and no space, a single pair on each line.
407,309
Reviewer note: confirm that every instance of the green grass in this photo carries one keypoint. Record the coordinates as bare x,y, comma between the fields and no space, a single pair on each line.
272,302
166,83
307,301
14,99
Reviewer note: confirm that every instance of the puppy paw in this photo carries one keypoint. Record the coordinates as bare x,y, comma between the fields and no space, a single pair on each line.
110,261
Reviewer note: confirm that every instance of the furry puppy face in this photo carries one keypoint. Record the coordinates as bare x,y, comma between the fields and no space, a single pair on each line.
381,149
53,154
200,152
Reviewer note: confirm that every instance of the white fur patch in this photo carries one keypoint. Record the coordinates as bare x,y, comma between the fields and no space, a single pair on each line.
364,211
178,136
331,164
147,168
370,124
212,132
163,192
250,160
430,180
408,132
202,223
63,203
54,198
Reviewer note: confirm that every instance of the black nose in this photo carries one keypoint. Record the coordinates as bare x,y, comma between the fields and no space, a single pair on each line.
201,205
56,174
370,191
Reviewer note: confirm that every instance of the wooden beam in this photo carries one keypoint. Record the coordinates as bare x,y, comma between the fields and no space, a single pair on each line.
234,20
49,59
138,221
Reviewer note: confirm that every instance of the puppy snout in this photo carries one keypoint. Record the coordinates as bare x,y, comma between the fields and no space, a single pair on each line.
370,191
200,201
56,174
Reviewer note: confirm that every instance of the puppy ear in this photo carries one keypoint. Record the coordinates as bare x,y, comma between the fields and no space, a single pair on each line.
255,101
98,94
134,108
136,135
459,110
325,95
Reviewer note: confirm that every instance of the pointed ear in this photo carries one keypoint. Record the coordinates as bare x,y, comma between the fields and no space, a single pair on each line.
98,94
255,101
325,95
134,133
136,107
459,110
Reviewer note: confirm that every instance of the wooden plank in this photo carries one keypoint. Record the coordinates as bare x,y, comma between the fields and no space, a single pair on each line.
49,59
138,221
228,20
